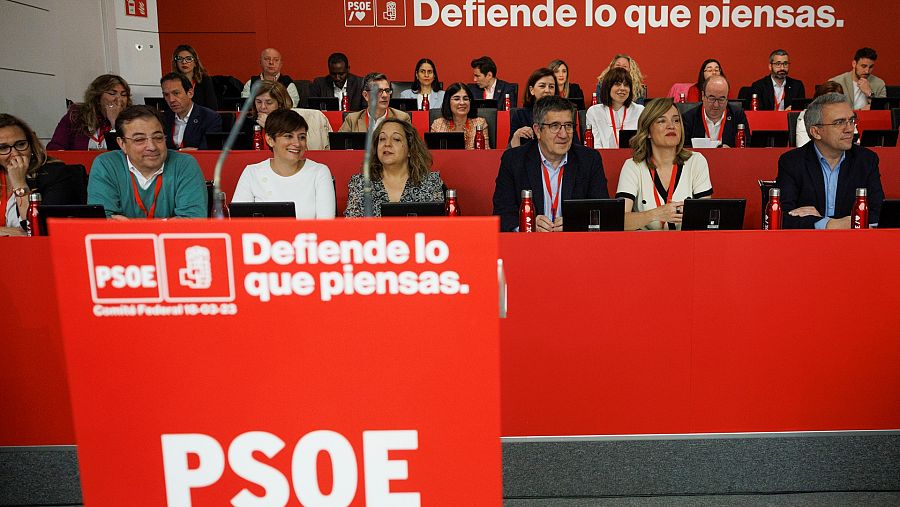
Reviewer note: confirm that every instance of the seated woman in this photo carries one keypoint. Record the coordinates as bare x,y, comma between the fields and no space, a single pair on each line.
457,115
622,61
615,112
288,175
541,83
400,168
84,125
425,82
709,68
29,170
185,61
561,72
661,173
272,96
802,136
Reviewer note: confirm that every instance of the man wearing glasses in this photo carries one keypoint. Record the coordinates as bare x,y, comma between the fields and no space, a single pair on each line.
818,181
144,180
776,91
715,119
359,121
553,168
270,63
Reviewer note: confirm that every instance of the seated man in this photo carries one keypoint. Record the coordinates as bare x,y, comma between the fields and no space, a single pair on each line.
270,63
818,181
776,91
487,86
339,82
187,123
560,168
144,180
715,118
859,84
359,121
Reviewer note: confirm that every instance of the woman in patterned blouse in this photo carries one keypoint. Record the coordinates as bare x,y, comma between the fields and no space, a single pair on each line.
457,115
400,168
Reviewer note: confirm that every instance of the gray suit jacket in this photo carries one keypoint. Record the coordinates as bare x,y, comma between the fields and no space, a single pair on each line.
846,81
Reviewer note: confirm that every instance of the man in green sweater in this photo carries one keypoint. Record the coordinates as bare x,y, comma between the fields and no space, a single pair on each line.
145,180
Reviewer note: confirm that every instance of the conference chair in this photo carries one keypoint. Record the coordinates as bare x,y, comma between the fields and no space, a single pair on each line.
895,118
582,123
490,116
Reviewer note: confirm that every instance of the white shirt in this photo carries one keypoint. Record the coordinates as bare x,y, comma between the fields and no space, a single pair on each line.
143,182
489,91
555,183
713,126
859,98
180,126
779,95
338,92
311,189
601,125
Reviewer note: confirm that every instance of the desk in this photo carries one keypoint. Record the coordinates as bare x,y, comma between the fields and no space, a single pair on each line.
767,120
472,172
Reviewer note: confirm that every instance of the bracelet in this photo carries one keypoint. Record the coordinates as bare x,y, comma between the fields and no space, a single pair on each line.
21,191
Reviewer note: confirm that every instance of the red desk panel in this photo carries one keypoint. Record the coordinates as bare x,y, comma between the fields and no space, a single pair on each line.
767,120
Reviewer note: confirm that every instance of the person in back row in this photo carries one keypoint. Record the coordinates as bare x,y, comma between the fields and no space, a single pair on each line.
338,83
85,125
615,112
359,121
859,84
144,180
776,91
186,123
487,86
457,115
715,119
270,64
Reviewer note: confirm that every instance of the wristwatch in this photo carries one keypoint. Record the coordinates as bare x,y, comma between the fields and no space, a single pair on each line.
21,191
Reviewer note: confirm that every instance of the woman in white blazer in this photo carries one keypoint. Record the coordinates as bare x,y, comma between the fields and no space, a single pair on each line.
615,112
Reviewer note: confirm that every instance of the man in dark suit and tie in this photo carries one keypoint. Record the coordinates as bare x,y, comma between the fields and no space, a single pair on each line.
551,166
818,181
186,124
487,86
715,118
776,91
339,82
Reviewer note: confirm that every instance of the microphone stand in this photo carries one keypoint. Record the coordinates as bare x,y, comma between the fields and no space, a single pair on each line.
368,205
218,198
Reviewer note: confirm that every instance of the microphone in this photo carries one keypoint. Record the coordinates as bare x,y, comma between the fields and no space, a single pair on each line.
368,205
218,201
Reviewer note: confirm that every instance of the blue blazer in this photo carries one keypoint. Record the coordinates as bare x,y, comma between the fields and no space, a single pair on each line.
520,169
500,91
201,121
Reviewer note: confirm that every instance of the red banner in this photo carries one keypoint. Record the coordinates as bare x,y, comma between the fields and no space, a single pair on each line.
296,363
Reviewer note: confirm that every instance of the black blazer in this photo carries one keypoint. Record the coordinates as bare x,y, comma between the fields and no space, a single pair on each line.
205,94
500,90
201,121
324,87
520,169
802,184
59,183
765,92
693,125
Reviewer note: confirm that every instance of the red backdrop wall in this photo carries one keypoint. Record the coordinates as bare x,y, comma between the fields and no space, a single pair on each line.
230,37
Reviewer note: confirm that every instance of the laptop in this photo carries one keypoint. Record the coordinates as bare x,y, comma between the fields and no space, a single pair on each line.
877,137
157,103
216,141
769,139
262,209
347,140
593,215
879,103
800,104
46,211
413,209
324,103
405,104
890,214
484,103
111,143
713,214
625,137
445,140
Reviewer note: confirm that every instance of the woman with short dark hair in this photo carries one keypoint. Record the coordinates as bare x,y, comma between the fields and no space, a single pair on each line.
615,112
457,115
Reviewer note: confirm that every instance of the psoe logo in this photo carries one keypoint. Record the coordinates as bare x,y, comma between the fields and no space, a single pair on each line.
359,13
150,268
369,13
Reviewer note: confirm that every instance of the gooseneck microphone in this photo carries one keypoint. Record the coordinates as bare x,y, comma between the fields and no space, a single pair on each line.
218,203
367,176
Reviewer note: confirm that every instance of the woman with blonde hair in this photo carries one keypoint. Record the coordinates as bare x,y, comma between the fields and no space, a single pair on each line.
661,173
623,61
565,88
85,125
186,62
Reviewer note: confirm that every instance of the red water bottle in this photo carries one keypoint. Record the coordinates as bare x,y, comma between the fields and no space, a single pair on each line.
682,98
588,137
31,216
226,213
859,218
479,138
526,213
594,99
773,211
739,140
425,104
754,103
451,205
257,138
506,103
345,103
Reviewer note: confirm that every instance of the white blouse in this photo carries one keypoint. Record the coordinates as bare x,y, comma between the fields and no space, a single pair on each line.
636,183
601,124
311,189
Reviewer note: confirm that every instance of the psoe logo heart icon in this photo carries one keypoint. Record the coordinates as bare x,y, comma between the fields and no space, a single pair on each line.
359,15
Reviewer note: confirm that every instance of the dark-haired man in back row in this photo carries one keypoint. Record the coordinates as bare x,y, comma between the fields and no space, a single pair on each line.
487,86
339,82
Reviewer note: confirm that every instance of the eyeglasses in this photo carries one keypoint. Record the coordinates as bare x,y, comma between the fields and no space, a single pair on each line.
142,140
555,126
464,98
781,64
20,146
839,123
186,59
716,100
385,91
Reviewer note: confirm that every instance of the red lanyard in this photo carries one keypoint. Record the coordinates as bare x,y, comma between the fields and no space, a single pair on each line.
484,93
101,134
180,145
554,197
706,127
780,101
672,183
612,118
137,196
